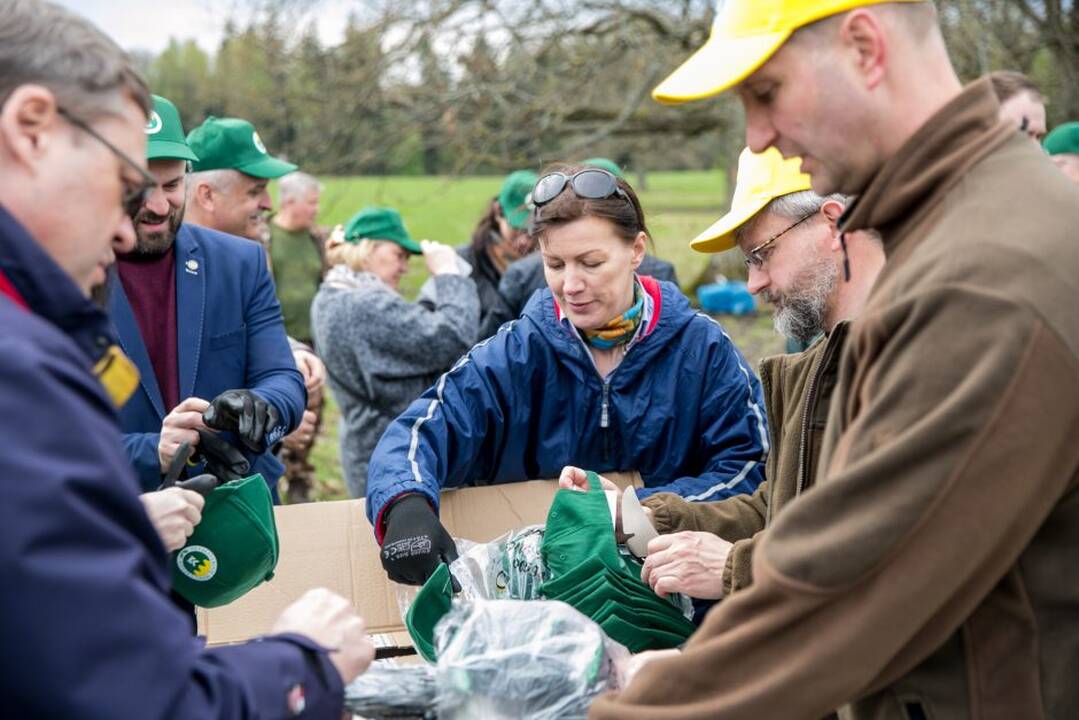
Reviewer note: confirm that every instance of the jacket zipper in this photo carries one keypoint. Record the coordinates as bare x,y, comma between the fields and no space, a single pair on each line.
811,401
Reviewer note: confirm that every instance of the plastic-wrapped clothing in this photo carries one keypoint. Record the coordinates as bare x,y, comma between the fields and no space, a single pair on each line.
392,692
503,659
683,409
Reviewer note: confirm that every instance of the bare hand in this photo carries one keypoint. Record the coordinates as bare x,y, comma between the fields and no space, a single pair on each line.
312,369
174,513
633,666
441,259
301,437
687,562
180,426
574,478
328,619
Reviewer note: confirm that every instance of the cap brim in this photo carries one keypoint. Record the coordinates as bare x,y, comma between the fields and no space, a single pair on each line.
718,65
169,150
720,236
412,246
269,168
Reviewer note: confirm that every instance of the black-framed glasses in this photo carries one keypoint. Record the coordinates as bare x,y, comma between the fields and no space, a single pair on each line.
589,184
134,197
755,258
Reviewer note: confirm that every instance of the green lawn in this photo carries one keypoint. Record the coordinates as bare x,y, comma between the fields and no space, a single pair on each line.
677,206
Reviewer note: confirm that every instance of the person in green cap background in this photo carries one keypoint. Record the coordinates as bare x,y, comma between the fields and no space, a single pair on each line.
195,311
229,179
525,276
500,238
381,351
1062,144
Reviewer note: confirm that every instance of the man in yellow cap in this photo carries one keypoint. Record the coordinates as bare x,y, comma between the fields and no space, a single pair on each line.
924,575
791,242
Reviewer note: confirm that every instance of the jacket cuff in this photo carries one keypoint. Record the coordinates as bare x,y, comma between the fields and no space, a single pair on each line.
664,515
297,677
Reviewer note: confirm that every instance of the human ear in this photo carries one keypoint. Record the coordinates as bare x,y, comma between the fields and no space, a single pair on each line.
640,243
832,210
862,36
28,121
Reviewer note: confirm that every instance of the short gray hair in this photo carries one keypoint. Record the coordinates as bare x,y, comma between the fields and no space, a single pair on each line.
221,179
88,73
793,206
296,184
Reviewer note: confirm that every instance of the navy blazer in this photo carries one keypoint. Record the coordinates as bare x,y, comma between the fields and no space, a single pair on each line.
230,334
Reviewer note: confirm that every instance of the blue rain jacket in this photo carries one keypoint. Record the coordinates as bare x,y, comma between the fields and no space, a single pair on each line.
683,409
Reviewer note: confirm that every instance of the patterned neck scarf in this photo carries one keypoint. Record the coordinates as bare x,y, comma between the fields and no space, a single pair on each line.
620,330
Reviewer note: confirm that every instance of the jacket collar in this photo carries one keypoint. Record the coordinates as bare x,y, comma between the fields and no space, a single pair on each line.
48,291
928,164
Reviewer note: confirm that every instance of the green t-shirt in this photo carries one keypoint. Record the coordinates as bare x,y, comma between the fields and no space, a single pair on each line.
297,271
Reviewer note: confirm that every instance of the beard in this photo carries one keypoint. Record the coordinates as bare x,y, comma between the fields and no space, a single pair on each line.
155,244
801,312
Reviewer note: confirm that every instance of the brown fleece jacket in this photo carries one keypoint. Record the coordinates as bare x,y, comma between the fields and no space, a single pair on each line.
797,393
930,573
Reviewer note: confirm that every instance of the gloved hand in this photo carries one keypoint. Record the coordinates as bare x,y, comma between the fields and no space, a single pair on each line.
415,543
222,460
244,413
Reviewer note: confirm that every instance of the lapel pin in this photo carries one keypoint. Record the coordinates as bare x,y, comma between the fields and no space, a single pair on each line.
193,266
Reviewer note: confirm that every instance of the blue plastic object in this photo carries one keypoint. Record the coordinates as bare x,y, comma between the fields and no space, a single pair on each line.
729,298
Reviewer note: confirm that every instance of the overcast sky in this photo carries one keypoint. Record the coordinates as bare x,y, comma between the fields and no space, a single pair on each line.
142,25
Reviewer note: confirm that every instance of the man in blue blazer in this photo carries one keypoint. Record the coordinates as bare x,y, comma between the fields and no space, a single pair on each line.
195,310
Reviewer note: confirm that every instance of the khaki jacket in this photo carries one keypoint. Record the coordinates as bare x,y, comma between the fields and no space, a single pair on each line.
797,394
931,572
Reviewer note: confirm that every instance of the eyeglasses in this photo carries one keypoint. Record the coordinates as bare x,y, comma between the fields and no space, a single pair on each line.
134,196
755,257
589,184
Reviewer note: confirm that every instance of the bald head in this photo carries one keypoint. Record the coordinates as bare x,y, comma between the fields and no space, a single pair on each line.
846,92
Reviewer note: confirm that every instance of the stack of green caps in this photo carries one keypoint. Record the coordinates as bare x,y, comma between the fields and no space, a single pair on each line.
587,572
234,547
431,603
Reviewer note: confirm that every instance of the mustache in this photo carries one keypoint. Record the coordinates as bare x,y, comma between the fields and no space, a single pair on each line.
151,218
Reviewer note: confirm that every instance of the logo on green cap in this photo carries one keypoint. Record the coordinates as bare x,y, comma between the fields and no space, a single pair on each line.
197,562
154,124
258,143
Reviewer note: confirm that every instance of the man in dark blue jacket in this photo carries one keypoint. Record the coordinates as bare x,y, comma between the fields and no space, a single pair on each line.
88,628
196,311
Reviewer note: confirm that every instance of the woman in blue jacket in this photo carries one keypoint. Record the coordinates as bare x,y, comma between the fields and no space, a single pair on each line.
605,370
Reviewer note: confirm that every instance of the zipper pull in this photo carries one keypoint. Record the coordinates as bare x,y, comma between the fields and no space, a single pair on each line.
604,415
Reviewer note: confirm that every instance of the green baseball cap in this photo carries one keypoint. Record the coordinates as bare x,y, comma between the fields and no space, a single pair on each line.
233,549
1064,140
165,134
604,164
513,197
233,144
377,223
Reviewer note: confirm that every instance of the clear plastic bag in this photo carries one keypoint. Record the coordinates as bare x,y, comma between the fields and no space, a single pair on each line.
393,691
539,660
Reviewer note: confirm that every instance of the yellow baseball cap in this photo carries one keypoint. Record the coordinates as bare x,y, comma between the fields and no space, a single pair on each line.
744,35
762,177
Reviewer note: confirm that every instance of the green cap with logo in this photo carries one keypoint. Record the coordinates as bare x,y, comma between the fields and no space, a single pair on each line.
233,144
513,197
1064,140
605,164
165,134
233,549
378,223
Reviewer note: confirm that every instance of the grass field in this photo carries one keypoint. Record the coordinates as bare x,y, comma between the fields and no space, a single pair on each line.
677,206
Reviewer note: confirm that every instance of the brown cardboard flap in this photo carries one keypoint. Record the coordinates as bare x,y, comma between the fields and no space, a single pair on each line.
331,545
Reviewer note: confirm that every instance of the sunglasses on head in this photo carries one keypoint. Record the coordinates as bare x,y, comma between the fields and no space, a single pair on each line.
588,184
134,194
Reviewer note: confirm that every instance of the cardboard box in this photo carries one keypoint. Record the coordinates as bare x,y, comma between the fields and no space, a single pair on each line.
331,544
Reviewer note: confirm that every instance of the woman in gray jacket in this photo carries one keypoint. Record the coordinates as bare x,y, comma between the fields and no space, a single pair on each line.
381,351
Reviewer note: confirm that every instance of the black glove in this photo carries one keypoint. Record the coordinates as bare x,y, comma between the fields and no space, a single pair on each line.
202,484
415,543
222,460
244,413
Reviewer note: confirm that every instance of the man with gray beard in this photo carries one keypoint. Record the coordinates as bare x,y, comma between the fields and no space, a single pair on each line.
818,279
